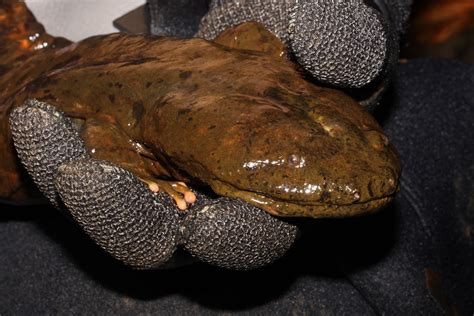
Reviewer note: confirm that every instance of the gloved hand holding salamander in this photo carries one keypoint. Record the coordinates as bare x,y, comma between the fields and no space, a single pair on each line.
101,124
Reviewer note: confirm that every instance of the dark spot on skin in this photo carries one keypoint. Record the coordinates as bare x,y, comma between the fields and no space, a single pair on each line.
185,75
95,64
369,188
329,151
284,79
138,61
190,119
46,91
148,84
21,58
324,196
100,74
212,127
160,102
193,88
112,98
3,69
48,96
19,81
138,110
273,93
60,42
68,62
183,111
41,82
118,85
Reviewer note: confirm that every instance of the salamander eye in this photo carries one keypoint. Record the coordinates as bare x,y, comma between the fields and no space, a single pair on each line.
296,161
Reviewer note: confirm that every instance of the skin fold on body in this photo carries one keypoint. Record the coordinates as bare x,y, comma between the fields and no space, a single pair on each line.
245,123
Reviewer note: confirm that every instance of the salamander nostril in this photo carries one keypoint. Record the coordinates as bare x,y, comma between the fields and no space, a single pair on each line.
392,183
377,140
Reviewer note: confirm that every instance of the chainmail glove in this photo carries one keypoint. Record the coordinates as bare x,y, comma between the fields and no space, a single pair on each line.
140,228
345,43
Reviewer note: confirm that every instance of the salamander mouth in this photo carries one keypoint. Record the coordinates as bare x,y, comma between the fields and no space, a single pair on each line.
285,208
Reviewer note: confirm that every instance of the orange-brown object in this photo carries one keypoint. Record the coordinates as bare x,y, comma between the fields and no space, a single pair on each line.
435,287
245,123
436,21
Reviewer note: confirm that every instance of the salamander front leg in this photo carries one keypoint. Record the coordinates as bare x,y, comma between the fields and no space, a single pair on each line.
113,207
107,141
121,214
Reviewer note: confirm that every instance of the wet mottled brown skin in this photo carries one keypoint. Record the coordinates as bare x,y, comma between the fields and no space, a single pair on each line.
245,123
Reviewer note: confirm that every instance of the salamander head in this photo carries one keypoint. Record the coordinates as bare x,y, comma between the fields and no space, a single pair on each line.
321,157
264,134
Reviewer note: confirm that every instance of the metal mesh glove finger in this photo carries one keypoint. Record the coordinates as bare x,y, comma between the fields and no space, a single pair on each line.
179,18
275,15
108,201
343,43
44,139
123,216
233,234
339,42
119,212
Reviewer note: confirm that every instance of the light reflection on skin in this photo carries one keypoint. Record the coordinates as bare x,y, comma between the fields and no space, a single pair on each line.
34,37
307,188
293,160
256,164
41,46
310,188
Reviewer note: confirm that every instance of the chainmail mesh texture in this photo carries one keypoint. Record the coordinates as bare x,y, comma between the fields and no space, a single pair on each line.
232,234
342,43
167,17
44,139
119,212
273,14
125,218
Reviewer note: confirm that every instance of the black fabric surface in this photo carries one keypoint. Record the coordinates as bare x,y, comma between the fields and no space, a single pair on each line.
414,257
